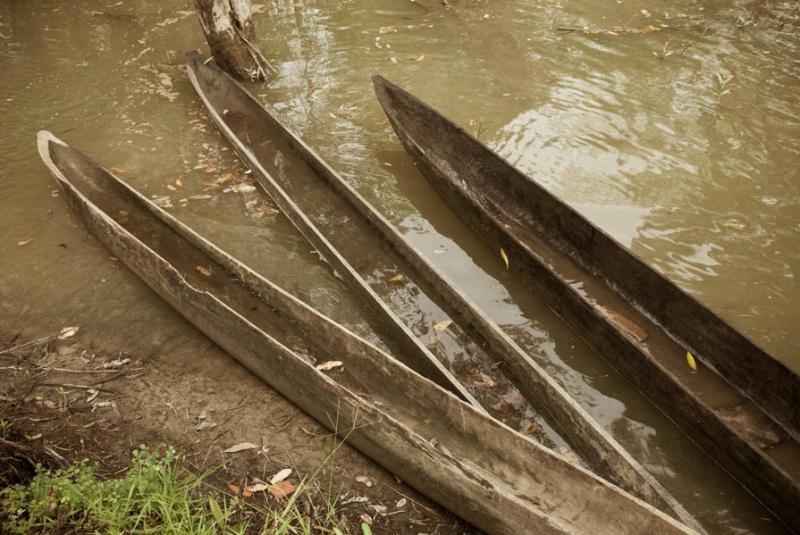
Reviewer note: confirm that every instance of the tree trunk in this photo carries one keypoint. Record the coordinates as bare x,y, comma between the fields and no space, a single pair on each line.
229,30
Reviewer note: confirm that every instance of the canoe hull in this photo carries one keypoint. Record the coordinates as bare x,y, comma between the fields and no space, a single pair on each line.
602,453
521,485
434,142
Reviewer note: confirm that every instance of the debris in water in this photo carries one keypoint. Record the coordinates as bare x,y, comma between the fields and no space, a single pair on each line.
504,256
691,362
24,242
331,364
203,271
442,325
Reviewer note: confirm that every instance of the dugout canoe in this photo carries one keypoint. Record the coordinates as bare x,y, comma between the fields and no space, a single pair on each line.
490,475
741,406
330,213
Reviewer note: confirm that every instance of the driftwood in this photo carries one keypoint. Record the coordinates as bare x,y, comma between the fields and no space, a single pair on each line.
740,405
230,32
494,477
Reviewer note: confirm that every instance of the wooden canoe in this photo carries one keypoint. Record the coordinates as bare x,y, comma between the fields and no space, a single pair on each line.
329,212
492,476
742,406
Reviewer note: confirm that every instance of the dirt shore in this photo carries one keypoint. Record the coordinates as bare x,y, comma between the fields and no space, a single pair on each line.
68,399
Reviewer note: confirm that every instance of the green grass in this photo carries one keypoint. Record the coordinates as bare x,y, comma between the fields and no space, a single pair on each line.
156,494
159,494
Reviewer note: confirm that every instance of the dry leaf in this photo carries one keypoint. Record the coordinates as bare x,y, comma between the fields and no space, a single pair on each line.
398,278
199,197
364,480
393,59
691,362
118,170
226,178
123,213
401,503
203,271
178,183
331,364
504,256
242,446
210,187
24,242
171,187
282,490
280,476
333,117
202,426
67,332
442,325
233,488
255,487
383,30
420,58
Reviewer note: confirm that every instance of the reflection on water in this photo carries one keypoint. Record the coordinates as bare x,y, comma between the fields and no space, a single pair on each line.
681,143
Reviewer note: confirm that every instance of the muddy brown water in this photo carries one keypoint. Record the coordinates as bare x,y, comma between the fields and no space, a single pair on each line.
682,143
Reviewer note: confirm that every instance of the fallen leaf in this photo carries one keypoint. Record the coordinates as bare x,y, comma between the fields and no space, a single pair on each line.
203,271
199,197
240,188
116,363
118,170
280,476
398,278
282,490
364,480
383,30
256,487
171,187
242,446
205,424
123,213
393,59
331,364
691,362
442,325
67,332
420,58
226,178
333,117
178,183
233,488
209,187
401,503
734,225
24,242
504,256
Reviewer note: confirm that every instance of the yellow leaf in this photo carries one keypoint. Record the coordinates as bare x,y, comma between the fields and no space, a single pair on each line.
504,256
179,183
203,271
24,242
398,278
118,170
171,187
442,325
691,362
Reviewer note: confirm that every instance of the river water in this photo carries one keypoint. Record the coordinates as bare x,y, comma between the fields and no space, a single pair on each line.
678,132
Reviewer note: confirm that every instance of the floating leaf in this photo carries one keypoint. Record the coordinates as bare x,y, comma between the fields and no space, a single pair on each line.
442,325
331,364
280,476
504,256
24,242
691,362
242,446
282,490
203,271
398,278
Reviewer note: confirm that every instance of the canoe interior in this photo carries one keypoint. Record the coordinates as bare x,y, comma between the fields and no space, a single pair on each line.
470,463
631,315
285,166
375,261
